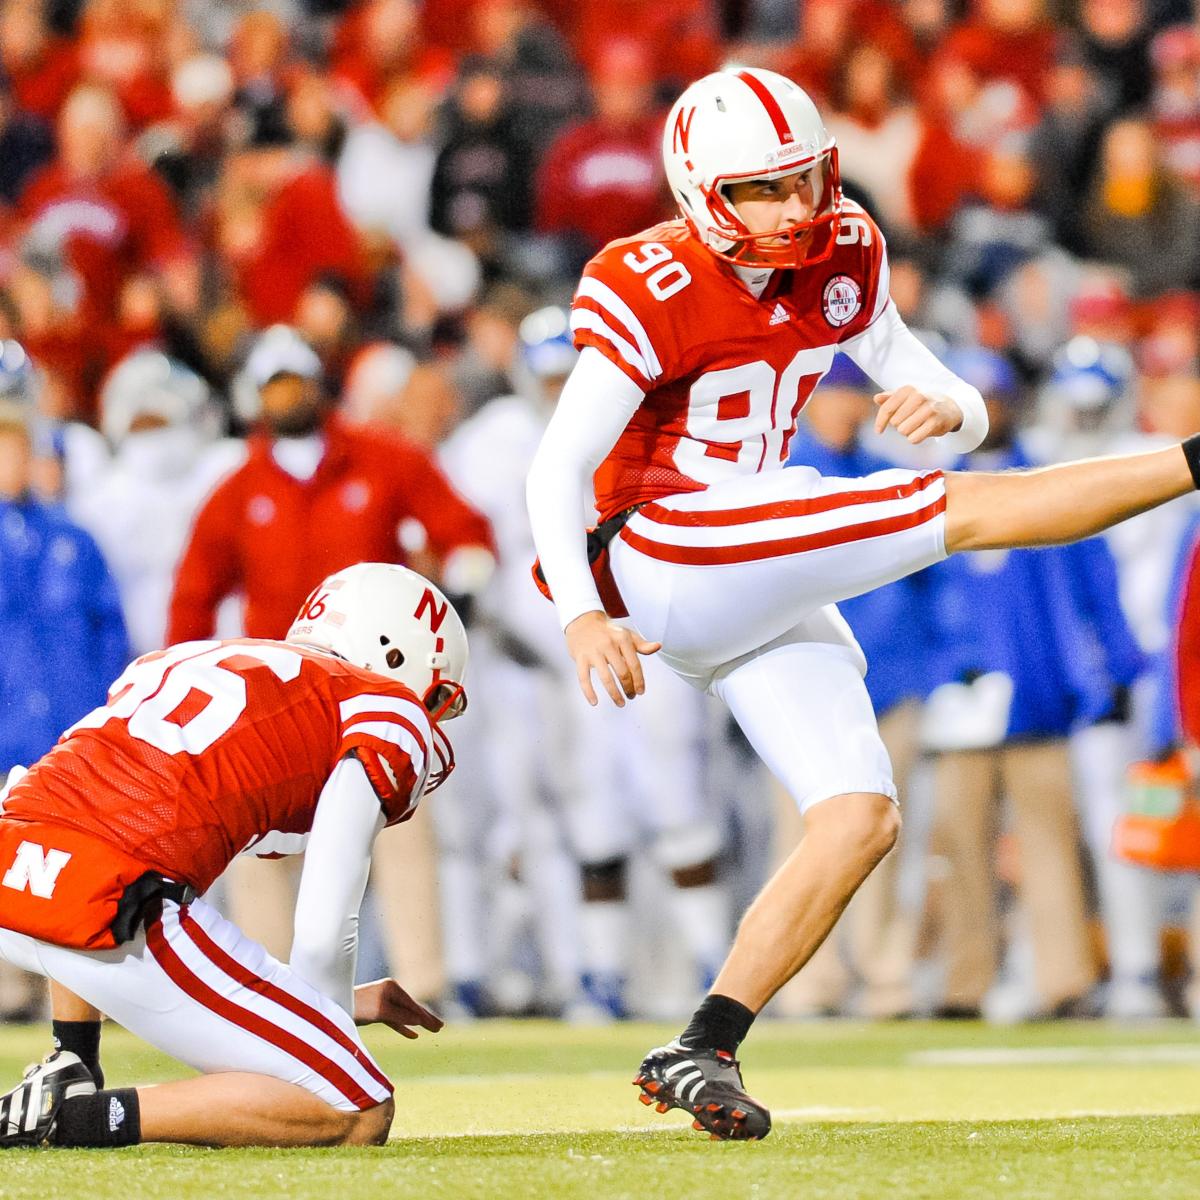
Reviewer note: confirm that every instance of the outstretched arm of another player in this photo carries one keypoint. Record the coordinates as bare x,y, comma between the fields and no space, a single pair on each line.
337,863
596,404
921,398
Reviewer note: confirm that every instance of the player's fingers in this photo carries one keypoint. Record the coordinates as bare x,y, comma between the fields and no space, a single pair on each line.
619,666
633,670
611,686
583,669
645,647
907,422
886,404
929,429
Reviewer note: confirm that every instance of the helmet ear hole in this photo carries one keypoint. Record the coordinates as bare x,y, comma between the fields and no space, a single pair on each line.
394,658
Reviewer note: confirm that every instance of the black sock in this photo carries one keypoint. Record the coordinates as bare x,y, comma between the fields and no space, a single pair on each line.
718,1024
81,1038
112,1118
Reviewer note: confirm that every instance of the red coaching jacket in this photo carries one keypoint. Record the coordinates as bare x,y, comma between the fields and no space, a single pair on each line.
273,537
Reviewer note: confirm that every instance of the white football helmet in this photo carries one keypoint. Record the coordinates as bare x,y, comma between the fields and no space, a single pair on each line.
148,383
743,123
390,620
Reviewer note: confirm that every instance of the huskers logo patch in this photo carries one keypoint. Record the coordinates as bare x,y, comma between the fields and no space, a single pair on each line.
842,300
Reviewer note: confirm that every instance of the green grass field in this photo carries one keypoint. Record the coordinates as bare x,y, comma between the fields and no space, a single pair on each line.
533,1111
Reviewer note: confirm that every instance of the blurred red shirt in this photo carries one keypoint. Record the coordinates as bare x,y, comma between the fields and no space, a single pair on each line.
106,228
304,234
274,537
599,181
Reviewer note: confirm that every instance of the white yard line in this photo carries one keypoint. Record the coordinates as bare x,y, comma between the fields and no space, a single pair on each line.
1183,1054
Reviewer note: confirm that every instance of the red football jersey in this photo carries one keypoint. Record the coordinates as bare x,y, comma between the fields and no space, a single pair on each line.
725,374
205,749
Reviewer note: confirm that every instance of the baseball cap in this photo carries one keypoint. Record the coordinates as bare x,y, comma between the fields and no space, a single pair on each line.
281,351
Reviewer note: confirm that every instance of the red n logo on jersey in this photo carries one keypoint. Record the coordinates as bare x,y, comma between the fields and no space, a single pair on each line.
682,130
437,614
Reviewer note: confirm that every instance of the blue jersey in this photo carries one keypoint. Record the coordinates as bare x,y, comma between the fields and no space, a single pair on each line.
61,628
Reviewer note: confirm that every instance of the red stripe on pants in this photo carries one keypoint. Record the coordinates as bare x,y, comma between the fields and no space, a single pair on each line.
271,991
696,518
708,556
192,985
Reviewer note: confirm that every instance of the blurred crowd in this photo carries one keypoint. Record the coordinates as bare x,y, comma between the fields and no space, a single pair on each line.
284,285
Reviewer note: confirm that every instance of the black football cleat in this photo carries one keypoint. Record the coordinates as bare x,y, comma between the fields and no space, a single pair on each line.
707,1084
29,1113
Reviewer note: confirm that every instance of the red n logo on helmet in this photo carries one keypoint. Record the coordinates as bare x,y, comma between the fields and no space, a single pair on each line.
682,130
437,614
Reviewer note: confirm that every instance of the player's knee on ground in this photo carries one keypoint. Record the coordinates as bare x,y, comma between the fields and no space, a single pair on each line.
867,825
369,1127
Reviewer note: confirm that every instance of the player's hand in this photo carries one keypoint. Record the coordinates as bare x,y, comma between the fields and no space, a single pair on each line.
599,644
916,415
385,1002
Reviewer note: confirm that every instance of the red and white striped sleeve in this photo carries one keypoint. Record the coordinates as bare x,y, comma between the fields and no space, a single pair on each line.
389,734
601,318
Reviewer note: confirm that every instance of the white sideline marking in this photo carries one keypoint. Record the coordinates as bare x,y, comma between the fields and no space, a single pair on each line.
1006,1056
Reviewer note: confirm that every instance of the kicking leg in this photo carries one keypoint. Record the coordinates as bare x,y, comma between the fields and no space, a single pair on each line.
1062,503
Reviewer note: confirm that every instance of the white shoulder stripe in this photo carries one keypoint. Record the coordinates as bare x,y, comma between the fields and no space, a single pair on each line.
607,298
584,318
395,735
380,704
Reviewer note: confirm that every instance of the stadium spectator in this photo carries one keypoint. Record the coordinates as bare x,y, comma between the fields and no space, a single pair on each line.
542,83
1176,101
125,46
1064,144
1006,40
1010,683
385,170
482,179
994,233
26,144
41,67
162,424
61,628
188,148
1136,210
315,495
877,132
604,176
103,217
1116,39
379,42
259,54
279,227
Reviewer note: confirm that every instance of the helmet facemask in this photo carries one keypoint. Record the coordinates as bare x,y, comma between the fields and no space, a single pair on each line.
789,246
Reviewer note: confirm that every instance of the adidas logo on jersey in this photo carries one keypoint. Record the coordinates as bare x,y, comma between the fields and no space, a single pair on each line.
116,1115
779,315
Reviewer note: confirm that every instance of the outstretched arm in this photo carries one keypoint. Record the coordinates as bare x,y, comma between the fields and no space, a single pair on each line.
1063,503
